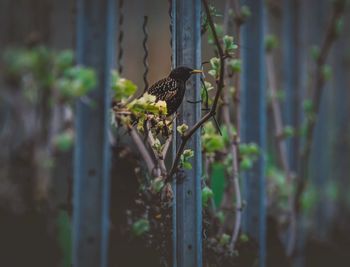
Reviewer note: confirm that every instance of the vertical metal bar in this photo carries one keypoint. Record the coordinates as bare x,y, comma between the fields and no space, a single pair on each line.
254,123
291,75
95,49
172,28
188,193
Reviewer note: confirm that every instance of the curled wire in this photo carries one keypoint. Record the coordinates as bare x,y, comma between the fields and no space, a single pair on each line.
145,49
170,10
120,36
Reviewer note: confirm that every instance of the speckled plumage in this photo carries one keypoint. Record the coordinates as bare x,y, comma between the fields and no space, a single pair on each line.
172,88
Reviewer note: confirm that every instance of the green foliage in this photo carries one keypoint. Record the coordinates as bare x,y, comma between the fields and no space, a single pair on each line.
229,45
249,153
235,65
182,128
332,191
245,12
309,199
76,81
140,227
46,69
185,157
339,26
271,42
207,194
278,189
315,52
215,67
211,140
221,216
224,239
308,106
64,141
288,131
147,104
243,238
64,237
208,87
64,60
327,72
225,133
157,184
122,87
219,31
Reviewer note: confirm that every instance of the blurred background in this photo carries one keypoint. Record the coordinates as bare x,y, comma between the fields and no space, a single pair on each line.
37,41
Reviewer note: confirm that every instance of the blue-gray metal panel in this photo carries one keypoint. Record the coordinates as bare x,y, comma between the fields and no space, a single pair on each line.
253,128
188,193
95,48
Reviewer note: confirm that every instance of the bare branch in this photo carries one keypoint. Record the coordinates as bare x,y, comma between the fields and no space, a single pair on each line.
317,88
281,146
143,150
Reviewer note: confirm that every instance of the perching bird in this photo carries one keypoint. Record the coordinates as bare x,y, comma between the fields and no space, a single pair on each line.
172,88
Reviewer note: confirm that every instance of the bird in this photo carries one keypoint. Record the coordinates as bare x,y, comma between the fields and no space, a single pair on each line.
172,88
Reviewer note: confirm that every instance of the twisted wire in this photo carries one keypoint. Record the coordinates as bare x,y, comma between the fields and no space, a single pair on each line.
170,10
120,36
145,49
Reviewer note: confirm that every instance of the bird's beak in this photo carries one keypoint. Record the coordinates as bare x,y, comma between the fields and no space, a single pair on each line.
196,71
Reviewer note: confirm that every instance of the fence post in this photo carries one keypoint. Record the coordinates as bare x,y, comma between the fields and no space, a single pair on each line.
254,123
95,49
188,210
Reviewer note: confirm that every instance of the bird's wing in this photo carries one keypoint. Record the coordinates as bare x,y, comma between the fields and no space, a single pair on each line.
164,89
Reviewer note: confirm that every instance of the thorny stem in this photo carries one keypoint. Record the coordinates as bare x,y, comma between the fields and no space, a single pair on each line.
329,39
206,117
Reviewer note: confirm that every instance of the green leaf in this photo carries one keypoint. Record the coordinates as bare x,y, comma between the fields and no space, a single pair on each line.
147,104
339,26
246,164
213,143
327,72
187,165
288,131
235,65
64,60
224,239
188,153
229,45
271,42
245,12
308,106
140,227
76,82
221,216
243,238
64,141
157,184
122,87
215,67
207,194
182,128
315,52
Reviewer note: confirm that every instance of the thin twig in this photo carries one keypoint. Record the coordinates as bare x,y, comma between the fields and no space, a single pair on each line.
206,117
281,145
143,150
234,137
329,39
